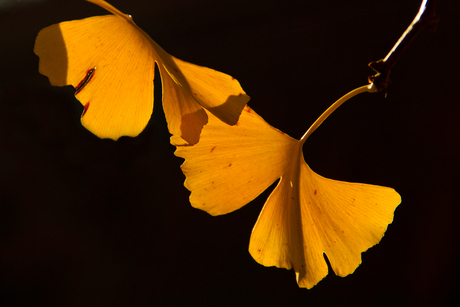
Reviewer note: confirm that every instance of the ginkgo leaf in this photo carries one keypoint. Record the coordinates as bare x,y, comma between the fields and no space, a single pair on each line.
111,62
305,216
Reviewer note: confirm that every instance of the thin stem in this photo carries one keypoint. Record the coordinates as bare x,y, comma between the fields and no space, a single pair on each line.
107,6
370,88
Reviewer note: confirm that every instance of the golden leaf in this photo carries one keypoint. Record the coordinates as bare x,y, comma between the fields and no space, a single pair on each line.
305,216
111,63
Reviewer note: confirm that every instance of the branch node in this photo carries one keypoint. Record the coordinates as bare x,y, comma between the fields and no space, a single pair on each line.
382,68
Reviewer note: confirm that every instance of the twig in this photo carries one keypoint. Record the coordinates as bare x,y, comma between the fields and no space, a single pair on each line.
426,17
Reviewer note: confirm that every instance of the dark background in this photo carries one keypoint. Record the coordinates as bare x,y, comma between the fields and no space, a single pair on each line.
90,222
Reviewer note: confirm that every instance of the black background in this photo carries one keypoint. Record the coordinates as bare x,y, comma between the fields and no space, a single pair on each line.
90,222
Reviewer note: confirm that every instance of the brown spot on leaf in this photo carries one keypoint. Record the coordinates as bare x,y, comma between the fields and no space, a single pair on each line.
85,109
85,81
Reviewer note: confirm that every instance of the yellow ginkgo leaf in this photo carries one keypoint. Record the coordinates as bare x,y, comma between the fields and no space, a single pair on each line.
111,62
306,215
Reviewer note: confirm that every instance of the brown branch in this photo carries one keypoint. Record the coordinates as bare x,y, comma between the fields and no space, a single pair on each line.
426,17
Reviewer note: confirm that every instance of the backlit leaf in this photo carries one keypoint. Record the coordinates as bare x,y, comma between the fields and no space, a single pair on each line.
306,215
111,63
